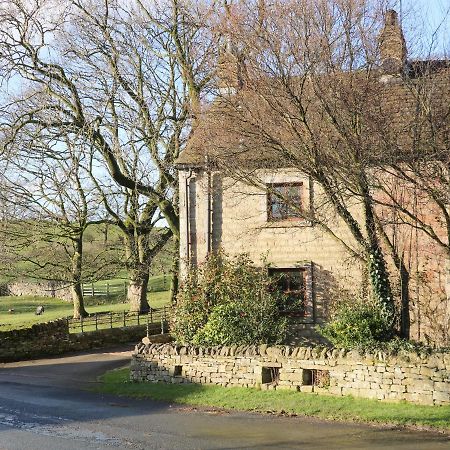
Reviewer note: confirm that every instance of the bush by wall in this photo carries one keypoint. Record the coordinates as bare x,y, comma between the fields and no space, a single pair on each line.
356,324
227,301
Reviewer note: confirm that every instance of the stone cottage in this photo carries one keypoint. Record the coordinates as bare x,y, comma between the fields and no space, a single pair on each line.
222,207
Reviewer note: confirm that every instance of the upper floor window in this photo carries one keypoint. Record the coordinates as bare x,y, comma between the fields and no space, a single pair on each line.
284,201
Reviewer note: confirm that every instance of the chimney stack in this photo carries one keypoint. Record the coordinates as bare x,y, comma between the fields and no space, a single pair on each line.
392,45
230,70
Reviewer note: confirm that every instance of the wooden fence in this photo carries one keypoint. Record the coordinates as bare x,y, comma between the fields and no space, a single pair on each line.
103,290
155,318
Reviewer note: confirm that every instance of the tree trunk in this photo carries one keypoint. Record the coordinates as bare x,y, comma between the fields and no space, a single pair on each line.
405,320
404,278
174,280
77,291
378,274
137,289
78,301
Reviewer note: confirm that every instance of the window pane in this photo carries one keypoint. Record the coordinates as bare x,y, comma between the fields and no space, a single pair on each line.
284,200
295,279
291,286
277,210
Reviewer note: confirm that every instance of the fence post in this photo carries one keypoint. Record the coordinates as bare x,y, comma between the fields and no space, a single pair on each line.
163,318
110,319
125,287
107,290
124,320
81,322
92,288
148,323
96,322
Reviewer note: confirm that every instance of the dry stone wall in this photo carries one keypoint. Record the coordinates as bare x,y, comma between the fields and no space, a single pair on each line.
40,339
417,378
53,338
43,289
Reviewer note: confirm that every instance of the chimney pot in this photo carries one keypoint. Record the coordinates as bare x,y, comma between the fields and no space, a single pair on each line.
392,45
391,17
230,70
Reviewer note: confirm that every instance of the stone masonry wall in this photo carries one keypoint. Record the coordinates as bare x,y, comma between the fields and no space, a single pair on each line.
416,378
39,339
42,289
238,223
53,338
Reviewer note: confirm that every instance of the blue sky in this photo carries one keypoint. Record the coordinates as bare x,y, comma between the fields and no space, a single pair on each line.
425,17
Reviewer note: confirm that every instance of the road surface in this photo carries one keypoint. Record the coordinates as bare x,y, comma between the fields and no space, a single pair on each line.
44,405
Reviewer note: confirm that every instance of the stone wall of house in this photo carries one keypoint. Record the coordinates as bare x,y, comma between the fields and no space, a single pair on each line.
416,378
240,225
53,338
238,215
40,289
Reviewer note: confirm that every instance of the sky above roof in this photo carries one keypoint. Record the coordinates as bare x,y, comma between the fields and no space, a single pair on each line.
429,18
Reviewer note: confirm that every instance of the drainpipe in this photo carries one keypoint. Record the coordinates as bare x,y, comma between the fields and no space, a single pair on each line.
188,225
209,223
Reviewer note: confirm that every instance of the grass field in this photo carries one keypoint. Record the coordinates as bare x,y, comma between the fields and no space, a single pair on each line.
281,402
25,306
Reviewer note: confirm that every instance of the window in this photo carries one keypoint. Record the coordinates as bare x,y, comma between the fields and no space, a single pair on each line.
284,201
316,377
270,375
177,371
291,284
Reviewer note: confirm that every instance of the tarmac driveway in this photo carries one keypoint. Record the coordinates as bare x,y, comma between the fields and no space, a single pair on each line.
43,405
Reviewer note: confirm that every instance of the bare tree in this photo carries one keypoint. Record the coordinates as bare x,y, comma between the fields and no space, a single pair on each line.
414,187
299,110
125,78
54,204
139,221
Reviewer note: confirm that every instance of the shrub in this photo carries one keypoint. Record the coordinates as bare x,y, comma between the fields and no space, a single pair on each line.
357,324
224,326
227,301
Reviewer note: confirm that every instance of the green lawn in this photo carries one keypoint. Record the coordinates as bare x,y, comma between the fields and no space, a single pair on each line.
25,306
284,402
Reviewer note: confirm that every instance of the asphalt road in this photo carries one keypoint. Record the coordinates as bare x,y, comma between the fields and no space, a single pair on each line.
44,405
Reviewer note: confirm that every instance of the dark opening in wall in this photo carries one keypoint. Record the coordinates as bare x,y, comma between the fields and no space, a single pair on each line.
316,377
307,379
270,375
177,371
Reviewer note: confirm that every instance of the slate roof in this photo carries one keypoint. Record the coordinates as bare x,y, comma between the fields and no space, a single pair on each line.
228,129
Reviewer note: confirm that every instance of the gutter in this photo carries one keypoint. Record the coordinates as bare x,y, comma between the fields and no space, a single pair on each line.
209,224
188,213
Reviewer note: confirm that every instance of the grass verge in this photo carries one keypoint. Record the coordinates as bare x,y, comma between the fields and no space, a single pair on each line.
281,402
